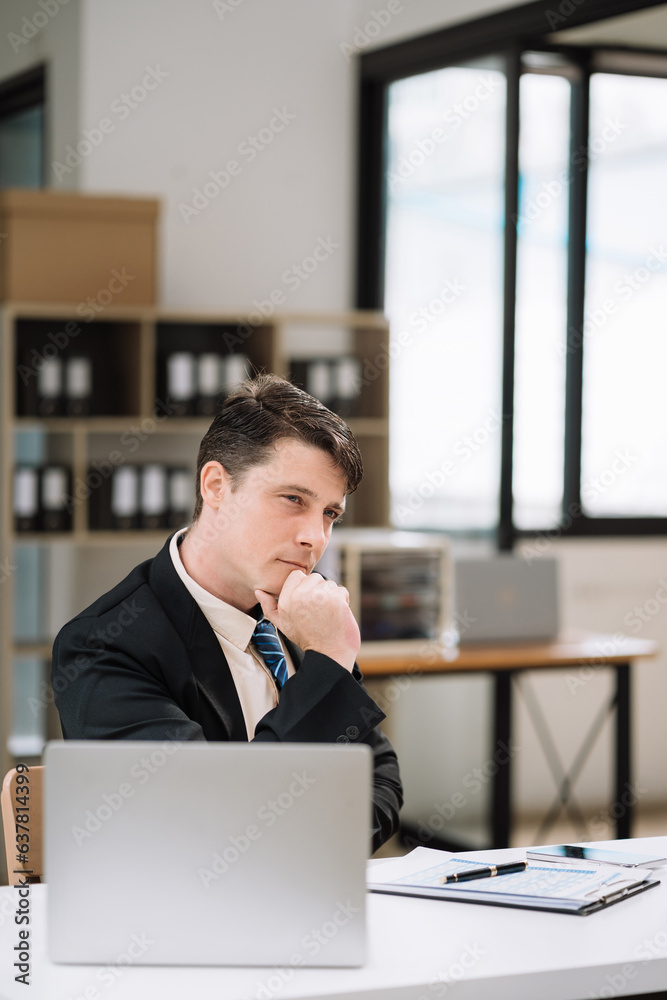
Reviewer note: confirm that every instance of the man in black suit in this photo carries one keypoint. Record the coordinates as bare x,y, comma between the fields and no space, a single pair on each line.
176,651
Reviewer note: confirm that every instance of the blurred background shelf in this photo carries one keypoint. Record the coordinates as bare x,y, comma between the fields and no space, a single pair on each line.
129,422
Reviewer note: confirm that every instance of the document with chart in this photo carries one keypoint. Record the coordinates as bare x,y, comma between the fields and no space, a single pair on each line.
571,888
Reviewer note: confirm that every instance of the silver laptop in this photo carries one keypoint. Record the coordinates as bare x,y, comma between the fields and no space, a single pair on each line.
506,598
207,853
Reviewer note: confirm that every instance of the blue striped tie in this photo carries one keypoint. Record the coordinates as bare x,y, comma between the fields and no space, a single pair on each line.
267,642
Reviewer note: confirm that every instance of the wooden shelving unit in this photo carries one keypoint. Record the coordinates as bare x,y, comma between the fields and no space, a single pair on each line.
130,345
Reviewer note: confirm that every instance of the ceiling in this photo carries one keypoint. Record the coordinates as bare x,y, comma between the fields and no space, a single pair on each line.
641,29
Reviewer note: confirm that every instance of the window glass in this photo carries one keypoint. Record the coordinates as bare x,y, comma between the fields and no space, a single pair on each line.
545,174
624,468
444,286
21,138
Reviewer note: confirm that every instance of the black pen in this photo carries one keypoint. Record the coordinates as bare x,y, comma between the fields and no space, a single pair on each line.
465,876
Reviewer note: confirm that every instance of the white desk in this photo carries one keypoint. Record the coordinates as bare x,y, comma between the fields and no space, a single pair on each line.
418,949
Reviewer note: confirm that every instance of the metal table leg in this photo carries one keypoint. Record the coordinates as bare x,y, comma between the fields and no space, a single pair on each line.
625,797
501,790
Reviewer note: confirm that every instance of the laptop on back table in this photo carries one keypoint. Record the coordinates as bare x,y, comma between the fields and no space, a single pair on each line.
506,599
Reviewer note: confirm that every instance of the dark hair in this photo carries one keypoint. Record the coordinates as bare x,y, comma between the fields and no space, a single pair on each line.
260,412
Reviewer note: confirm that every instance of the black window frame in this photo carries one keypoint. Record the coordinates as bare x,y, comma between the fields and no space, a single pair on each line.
507,34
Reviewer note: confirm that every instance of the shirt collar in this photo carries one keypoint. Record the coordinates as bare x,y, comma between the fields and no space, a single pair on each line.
225,620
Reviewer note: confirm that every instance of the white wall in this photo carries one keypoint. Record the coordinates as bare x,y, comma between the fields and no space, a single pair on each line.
225,75
227,72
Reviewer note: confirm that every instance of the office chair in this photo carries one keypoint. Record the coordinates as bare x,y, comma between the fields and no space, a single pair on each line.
22,820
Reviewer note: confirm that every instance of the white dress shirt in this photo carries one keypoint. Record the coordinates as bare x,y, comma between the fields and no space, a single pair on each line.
254,681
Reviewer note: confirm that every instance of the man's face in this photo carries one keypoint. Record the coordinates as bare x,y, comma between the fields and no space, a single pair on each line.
278,520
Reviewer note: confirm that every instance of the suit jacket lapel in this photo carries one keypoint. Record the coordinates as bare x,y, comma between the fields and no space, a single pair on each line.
222,716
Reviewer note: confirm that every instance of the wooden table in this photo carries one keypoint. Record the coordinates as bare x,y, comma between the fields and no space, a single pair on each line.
504,661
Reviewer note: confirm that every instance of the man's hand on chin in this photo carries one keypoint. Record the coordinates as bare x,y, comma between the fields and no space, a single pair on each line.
315,614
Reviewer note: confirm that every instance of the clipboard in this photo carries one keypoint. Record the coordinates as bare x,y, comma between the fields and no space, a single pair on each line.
557,888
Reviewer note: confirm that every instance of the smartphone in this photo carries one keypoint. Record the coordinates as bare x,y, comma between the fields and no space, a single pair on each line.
594,855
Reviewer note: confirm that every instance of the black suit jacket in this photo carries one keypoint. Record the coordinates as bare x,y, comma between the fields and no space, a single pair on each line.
143,663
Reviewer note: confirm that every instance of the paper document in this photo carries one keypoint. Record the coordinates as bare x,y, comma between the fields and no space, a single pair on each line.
577,888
